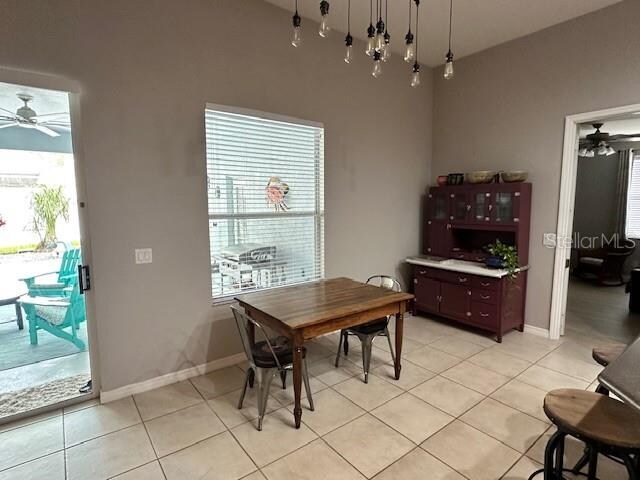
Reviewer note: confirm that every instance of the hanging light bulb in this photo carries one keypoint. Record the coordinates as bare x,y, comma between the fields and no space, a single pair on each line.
370,40
377,65
415,75
371,32
590,153
348,53
410,48
348,40
296,38
448,67
379,44
610,150
386,49
582,152
323,31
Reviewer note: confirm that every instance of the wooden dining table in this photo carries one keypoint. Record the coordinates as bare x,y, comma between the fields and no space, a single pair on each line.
305,311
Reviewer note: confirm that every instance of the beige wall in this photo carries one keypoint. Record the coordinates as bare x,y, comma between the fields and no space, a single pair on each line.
505,109
146,69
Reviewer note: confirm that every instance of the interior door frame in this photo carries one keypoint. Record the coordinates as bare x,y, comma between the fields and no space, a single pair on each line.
73,88
566,206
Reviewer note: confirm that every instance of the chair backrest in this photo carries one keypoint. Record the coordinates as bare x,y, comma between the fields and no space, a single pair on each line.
245,323
385,281
69,265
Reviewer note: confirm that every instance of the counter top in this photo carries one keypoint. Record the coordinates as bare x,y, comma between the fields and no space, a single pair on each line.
462,266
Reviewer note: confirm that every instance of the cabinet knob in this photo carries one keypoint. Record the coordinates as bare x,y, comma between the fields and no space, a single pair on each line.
430,196
468,208
428,222
484,314
453,195
516,220
468,314
487,195
448,225
468,292
490,206
422,272
485,297
462,279
485,284
415,281
486,219
517,194
450,217
429,249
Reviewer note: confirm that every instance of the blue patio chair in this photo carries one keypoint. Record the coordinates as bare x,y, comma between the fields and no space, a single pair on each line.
65,276
60,316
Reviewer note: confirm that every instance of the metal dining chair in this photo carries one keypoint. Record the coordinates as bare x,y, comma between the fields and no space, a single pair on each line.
368,332
266,358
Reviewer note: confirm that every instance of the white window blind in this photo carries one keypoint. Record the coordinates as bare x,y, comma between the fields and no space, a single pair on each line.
633,199
266,205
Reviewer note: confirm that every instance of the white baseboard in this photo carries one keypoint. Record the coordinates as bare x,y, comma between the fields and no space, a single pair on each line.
169,378
540,332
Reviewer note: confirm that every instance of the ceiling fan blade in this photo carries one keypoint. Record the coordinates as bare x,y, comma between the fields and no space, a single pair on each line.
8,111
627,137
38,117
9,125
46,130
55,123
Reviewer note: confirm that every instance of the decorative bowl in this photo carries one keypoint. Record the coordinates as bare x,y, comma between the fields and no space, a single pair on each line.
480,176
514,176
442,180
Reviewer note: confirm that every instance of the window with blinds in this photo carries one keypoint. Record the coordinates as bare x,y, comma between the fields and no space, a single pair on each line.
633,199
266,207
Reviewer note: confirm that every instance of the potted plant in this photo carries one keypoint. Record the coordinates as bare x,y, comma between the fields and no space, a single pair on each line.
503,256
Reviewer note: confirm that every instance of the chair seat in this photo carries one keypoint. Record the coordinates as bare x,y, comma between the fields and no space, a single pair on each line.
606,354
281,347
592,261
594,417
51,314
376,326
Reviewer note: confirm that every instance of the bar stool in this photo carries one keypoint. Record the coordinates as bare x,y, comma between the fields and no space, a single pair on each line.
606,425
604,355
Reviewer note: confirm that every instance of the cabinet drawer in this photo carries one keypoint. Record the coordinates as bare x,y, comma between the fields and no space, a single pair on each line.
420,271
484,296
456,278
486,283
484,314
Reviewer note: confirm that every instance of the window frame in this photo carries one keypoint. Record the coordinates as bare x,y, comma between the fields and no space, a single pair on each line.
634,156
318,213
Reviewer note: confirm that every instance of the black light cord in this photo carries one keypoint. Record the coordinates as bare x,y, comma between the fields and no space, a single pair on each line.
564,470
450,21
349,17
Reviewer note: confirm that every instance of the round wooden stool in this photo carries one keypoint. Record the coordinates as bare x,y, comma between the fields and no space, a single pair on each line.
607,426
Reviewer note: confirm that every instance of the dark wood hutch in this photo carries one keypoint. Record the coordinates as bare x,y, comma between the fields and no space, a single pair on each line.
451,280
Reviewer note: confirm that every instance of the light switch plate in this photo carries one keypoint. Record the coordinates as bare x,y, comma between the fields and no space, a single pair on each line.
144,255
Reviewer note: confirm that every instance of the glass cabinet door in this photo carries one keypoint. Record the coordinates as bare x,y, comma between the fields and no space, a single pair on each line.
459,207
506,207
438,203
480,207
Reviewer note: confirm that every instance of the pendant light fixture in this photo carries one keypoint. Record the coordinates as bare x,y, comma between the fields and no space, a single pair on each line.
379,28
348,40
386,48
296,38
410,49
377,64
323,31
371,31
415,74
448,67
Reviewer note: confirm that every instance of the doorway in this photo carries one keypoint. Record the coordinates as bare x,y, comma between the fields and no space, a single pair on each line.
595,243
44,340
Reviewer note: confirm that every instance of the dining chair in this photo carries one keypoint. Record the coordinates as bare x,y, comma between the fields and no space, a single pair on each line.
368,332
266,358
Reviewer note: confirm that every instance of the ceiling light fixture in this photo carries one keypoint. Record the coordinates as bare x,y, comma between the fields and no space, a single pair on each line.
448,67
415,73
378,43
296,38
348,40
410,49
323,31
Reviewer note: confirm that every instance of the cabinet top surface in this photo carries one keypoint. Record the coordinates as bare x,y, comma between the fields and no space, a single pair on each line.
461,266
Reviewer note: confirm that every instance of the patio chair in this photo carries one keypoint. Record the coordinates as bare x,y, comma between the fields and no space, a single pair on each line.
65,275
266,358
60,316
368,332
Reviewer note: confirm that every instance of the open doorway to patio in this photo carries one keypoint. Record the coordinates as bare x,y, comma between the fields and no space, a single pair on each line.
44,347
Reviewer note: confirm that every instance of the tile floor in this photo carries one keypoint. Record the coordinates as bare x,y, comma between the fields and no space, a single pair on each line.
465,407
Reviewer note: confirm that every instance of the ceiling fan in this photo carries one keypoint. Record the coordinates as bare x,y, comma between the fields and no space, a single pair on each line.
600,142
26,117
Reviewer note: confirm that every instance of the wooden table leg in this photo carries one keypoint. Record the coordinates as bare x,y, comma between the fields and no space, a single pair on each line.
399,328
297,380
